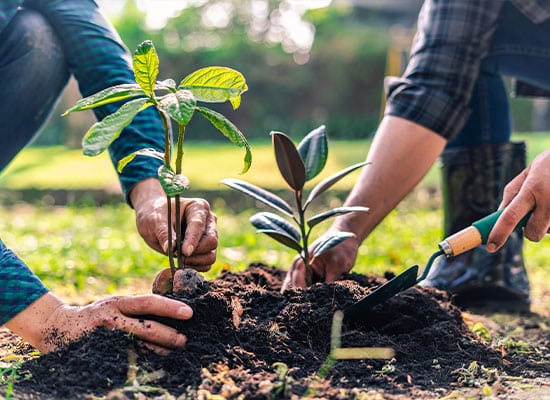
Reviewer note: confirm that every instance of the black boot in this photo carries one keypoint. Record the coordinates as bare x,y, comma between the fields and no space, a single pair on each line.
473,181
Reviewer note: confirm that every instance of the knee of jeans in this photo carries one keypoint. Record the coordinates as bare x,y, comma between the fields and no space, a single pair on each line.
36,39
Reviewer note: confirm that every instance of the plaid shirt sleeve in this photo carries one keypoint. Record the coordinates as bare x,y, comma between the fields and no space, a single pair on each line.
435,89
98,59
19,287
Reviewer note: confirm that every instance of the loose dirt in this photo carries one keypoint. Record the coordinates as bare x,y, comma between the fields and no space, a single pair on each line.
249,341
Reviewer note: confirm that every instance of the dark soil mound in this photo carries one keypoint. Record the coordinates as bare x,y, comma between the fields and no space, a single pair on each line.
245,333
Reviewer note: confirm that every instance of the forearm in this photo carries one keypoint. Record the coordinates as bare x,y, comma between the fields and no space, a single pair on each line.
34,324
401,154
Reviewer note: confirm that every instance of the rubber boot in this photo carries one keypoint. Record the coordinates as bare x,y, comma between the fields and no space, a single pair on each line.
473,182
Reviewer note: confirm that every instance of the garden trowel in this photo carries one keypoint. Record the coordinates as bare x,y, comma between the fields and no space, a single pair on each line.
456,244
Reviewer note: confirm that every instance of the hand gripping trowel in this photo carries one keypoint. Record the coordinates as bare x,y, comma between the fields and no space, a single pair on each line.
458,243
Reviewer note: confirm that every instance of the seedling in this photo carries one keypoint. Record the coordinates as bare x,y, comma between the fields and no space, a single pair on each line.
178,103
298,165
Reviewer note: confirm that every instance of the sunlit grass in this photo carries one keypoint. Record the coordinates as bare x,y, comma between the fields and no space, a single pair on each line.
205,164
83,253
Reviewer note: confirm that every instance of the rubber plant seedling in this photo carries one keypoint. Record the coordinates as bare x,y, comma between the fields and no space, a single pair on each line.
174,102
298,165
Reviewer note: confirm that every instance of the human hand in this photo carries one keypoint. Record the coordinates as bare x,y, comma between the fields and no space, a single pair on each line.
49,324
328,267
530,190
200,238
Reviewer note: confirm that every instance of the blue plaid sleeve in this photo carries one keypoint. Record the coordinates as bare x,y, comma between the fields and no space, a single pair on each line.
451,39
19,287
98,59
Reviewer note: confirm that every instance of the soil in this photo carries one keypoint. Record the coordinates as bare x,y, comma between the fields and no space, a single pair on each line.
246,340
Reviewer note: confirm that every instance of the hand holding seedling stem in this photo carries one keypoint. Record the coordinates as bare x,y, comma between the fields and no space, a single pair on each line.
177,103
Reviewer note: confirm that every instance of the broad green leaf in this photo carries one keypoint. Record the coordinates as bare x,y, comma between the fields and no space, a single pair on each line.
314,151
289,161
282,237
216,85
143,152
316,219
104,132
330,241
331,180
230,131
180,106
172,183
262,195
107,96
270,221
146,67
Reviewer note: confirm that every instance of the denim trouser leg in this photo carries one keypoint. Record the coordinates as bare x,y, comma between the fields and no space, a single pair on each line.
34,73
520,49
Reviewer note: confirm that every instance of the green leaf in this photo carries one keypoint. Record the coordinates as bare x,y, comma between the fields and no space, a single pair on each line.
146,67
143,152
282,237
330,241
107,96
331,180
230,131
313,150
180,106
104,132
316,219
270,221
289,161
172,183
216,85
260,194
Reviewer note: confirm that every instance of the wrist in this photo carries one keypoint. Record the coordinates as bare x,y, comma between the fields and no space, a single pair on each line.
144,191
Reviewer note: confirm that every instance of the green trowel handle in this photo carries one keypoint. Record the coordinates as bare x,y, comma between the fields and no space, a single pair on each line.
474,235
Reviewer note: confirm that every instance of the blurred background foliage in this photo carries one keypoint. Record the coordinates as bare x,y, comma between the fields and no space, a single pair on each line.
306,62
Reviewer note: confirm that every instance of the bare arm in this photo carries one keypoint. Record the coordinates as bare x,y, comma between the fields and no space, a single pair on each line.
48,323
401,154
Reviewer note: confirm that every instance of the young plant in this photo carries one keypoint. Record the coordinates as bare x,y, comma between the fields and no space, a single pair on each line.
298,165
173,102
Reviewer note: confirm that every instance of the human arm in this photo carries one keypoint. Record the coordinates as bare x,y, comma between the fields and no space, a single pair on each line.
48,323
401,154
31,311
529,191
97,58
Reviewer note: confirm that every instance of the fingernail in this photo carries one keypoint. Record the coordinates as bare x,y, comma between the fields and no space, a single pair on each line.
189,250
185,312
491,247
165,247
181,340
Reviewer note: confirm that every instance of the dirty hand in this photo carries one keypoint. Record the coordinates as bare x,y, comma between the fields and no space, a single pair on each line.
200,238
530,190
48,323
328,267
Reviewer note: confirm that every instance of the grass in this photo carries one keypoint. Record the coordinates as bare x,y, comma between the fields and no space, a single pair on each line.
83,252
61,168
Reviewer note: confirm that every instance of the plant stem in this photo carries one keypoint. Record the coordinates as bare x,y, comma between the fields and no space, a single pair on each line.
167,148
304,233
179,157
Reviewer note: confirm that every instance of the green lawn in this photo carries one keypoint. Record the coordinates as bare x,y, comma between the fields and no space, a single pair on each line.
205,164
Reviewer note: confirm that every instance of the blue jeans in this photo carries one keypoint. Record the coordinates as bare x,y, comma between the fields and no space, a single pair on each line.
34,74
519,49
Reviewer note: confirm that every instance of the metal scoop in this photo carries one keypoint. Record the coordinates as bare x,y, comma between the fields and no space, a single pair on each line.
456,244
